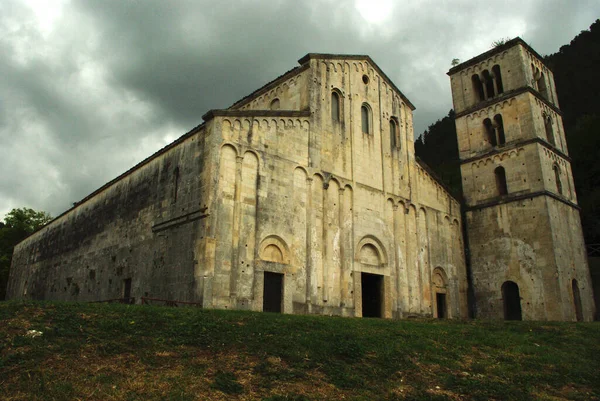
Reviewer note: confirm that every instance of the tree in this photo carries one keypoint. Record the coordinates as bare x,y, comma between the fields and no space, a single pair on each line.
18,224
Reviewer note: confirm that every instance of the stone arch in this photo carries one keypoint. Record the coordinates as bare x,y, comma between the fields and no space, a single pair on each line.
274,249
229,145
371,251
439,287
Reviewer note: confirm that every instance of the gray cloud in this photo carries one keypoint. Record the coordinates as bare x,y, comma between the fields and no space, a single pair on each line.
111,82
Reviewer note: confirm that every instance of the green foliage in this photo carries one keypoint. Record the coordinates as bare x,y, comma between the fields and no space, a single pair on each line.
438,148
500,42
575,70
17,225
170,353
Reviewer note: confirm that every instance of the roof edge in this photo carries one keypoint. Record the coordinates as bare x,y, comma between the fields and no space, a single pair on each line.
251,113
493,51
326,56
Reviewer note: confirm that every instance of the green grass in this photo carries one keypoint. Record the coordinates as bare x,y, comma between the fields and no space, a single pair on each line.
128,352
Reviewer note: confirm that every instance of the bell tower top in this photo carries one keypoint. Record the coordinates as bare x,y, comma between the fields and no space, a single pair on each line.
503,71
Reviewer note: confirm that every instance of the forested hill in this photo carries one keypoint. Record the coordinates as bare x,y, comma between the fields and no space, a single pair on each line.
575,68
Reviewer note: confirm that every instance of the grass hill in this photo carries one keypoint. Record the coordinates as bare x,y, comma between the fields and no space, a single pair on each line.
129,352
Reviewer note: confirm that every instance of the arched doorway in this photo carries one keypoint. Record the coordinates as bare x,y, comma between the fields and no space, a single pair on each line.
440,284
577,301
512,301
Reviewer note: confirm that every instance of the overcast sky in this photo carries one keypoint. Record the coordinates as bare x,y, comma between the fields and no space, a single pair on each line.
90,88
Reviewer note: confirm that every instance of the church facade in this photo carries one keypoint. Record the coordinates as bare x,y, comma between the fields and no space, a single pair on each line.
306,197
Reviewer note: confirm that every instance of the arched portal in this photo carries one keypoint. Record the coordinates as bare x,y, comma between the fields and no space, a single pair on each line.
512,301
440,285
577,301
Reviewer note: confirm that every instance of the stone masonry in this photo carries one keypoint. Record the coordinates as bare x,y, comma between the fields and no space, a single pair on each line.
306,197
528,257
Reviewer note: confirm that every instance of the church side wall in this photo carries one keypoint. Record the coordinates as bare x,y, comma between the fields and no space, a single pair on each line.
143,227
571,264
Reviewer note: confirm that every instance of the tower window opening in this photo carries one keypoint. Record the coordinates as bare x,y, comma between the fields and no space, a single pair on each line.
477,88
501,186
500,128
542,87
489,84
557,178
393,133
489,132
335,107
498,78
365,116
549,130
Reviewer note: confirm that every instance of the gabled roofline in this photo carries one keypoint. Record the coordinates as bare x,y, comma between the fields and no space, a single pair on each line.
325,56
268,86
492,52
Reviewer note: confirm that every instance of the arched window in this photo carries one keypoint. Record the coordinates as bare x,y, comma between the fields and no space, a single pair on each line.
489,84
335,107
512,301
500,128
365,117
275,104
393,134
501,181
557,178
548,128
542,87
489,132
498,78
477,88
577,301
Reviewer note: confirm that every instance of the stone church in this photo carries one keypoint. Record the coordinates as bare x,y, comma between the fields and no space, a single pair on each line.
306,197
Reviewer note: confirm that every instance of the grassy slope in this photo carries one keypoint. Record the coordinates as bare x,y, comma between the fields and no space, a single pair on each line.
120,352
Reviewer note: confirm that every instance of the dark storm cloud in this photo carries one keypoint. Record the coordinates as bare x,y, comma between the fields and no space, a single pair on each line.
111,82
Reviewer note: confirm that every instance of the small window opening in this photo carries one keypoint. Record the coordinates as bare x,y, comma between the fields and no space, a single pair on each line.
393,138
577,301
557,179
500,128
365,116
489,84
477,88
175,183
335,107
365,79
498,78
489,132
501,181
549,130
542,87
275,104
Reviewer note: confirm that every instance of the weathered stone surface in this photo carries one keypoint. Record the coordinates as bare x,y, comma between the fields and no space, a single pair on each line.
282,182
531,234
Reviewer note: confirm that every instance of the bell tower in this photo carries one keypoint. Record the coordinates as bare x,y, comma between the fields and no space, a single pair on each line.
526,248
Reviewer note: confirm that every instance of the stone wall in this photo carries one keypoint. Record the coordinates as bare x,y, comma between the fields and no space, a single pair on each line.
142,226
275,184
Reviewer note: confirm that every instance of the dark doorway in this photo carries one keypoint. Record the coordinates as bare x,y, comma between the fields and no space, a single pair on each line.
577,301
440,301
372,289
512,301
127,289
272,292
